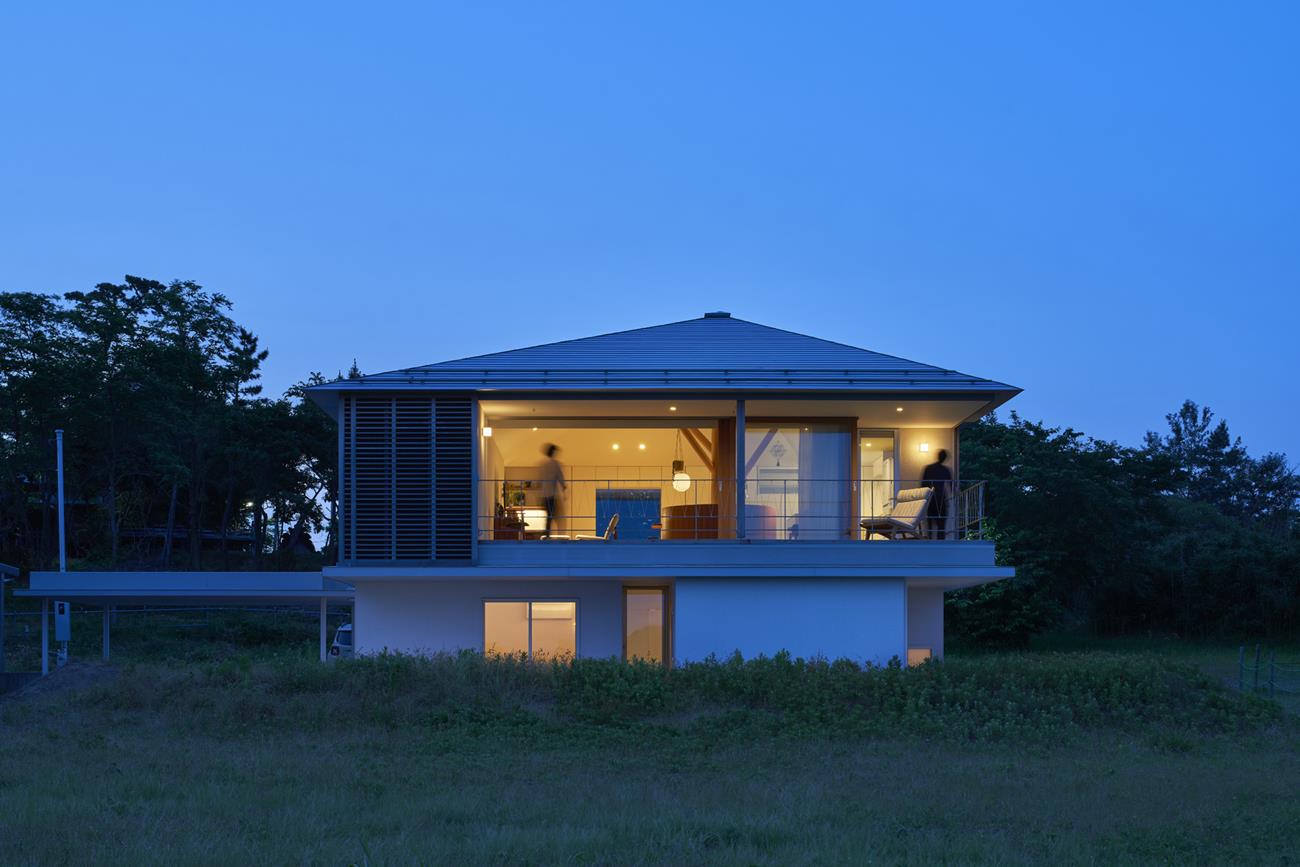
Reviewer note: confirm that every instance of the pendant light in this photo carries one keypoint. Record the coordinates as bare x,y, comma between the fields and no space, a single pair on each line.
681,481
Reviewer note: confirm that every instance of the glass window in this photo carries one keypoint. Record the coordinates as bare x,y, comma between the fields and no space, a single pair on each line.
644,622
797,481
542,630
876,451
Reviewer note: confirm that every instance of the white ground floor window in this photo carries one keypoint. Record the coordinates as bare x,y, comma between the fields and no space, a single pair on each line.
543,629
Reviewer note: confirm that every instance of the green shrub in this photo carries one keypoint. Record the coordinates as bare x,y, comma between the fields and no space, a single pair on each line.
1039,697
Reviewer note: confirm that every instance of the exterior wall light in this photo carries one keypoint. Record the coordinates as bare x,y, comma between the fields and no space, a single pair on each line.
923,448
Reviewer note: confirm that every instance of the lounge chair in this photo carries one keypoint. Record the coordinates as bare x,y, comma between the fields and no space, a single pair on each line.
907,521
611,532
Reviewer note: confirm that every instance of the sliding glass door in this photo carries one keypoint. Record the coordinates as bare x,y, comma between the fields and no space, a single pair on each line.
876,471
798,482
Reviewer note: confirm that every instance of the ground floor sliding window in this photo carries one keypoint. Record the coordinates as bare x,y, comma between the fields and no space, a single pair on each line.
540,630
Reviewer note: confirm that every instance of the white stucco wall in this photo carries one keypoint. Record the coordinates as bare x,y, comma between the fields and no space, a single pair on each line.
857,618
925,619
428,617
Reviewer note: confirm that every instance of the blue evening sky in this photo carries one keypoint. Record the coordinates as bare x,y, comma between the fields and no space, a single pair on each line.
1099,202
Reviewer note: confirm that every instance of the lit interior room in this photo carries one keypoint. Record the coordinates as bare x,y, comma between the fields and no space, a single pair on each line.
638,470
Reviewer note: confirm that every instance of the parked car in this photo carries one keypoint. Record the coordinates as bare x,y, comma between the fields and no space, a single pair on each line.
342,645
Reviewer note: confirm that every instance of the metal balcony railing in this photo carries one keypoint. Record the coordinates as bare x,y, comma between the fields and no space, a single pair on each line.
777,508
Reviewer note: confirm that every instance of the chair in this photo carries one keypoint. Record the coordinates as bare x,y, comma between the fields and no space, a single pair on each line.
906,521
611,532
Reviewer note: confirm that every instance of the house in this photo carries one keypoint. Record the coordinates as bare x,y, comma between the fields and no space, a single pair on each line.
726,486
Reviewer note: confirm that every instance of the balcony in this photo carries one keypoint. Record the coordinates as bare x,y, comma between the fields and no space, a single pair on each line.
771,507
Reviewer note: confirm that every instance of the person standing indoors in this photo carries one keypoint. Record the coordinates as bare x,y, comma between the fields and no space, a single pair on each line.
551,475
938,478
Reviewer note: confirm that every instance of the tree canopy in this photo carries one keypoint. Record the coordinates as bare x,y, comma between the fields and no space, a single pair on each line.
173,457
1187,533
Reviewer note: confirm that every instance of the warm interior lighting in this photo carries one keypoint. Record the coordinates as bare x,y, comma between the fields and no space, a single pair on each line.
924,447
553,610
681,481
898,409
534,428
487,431
672,409
615,447
641,446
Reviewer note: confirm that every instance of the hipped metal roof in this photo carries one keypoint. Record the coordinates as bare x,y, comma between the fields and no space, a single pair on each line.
716,352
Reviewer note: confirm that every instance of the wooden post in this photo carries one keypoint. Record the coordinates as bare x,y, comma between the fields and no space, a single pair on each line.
740,469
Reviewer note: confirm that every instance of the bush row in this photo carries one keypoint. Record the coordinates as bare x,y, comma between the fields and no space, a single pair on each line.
1034,697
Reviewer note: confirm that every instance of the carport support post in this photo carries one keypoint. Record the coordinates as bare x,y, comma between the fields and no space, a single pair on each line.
323,611
108,613
45,636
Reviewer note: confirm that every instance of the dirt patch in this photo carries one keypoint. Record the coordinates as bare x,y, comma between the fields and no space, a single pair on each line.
73,677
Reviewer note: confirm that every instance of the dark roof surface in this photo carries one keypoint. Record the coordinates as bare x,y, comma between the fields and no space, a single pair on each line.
716,351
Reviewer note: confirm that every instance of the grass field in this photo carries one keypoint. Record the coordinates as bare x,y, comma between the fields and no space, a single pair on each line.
193,750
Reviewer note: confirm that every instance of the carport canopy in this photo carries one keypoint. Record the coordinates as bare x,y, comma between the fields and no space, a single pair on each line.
181,588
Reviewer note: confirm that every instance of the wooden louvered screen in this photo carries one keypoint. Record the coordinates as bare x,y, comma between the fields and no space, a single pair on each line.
407,487
453,480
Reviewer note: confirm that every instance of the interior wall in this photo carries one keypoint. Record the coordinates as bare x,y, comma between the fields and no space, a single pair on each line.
579,514
912,461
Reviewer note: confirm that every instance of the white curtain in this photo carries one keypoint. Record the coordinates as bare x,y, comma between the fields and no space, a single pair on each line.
823,482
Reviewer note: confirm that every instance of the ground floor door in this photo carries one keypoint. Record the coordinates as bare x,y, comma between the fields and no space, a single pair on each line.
646,624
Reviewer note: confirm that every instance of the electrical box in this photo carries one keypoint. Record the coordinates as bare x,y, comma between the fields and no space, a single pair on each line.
62,621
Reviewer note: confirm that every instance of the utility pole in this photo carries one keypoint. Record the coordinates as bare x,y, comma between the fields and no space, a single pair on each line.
64,616
63,551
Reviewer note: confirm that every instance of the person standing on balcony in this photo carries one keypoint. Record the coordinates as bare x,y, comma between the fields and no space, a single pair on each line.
938,478
551,475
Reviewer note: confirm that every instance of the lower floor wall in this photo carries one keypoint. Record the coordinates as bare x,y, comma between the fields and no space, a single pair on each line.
436,617
864,619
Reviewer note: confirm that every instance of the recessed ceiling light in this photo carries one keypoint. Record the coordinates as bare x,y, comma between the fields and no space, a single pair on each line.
641,446
534,428
868,445
672,409
615,446
898,409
